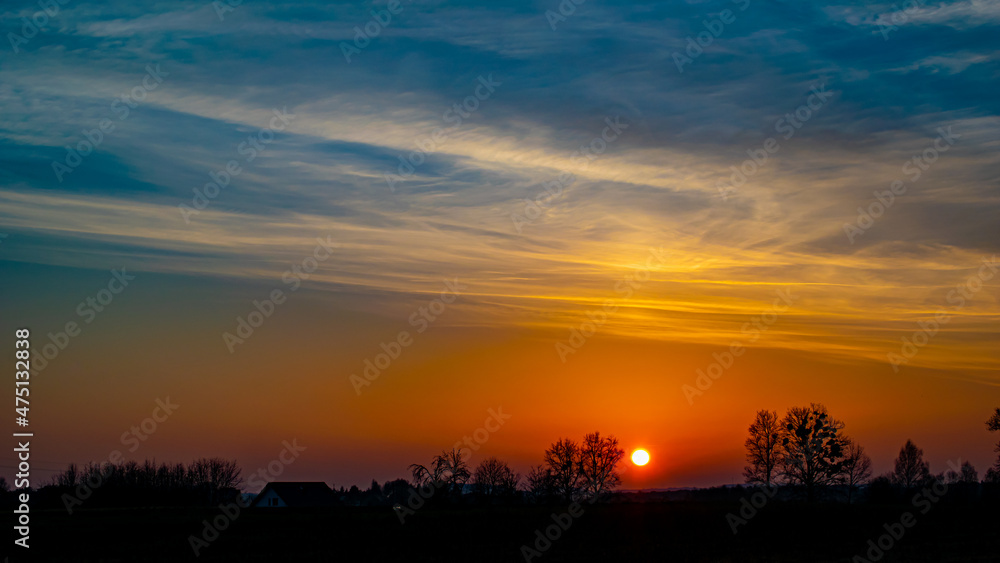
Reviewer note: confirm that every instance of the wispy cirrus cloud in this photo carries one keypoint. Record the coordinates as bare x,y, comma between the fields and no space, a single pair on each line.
656,186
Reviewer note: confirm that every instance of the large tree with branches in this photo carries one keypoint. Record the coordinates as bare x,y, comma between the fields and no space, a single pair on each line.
857,467
562,460
598,459
812,448
494,478
763,449
910,469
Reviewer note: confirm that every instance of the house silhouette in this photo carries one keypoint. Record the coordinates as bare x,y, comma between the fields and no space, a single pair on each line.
295,494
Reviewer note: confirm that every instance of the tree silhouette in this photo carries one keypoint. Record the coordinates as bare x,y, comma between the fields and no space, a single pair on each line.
68,478
422,475
130,483
562,460
813,450
448,471
993,425
540,483
453,466
374,494
598,459
494,478
763,449
857,467
911,469
967,475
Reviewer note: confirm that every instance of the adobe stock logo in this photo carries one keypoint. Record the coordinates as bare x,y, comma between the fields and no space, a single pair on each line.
432,142
121,106
788,125
957,298
752,330
924,500
87,310
422,319
363,37
262,310
561,523
251,148
913,168
713,29
566,8
33,26
599,317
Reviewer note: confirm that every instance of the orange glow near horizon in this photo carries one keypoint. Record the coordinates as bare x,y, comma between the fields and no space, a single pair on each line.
630,387
516,286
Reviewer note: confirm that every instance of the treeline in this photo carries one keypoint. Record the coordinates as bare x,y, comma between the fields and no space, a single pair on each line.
569,471
204,481
808,451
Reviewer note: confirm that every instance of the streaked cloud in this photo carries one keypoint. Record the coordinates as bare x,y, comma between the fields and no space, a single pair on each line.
655,186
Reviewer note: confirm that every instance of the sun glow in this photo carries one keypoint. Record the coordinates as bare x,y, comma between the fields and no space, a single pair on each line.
640,457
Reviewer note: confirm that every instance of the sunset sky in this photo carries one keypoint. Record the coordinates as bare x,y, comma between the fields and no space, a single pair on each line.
552,168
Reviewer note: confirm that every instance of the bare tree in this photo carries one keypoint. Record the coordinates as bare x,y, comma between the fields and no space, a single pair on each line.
763,449
494,478
486,477
967,474
598,459
857,467
510,481
448,471
812,449
178,476
197,472
215,476
224,473
453,467
421,475
540,483
911,469
562,460
129,482
68,478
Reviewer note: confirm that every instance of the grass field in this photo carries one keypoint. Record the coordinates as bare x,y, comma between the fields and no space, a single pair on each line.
654,531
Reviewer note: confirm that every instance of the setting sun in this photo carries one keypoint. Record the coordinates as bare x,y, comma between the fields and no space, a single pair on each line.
640,457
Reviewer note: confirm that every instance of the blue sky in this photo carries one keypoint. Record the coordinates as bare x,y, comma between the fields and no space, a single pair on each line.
202,82
222,76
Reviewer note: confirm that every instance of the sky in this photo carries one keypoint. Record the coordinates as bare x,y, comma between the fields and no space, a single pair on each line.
535,220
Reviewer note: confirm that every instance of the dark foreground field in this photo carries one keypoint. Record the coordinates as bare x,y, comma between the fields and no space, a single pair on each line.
662,531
